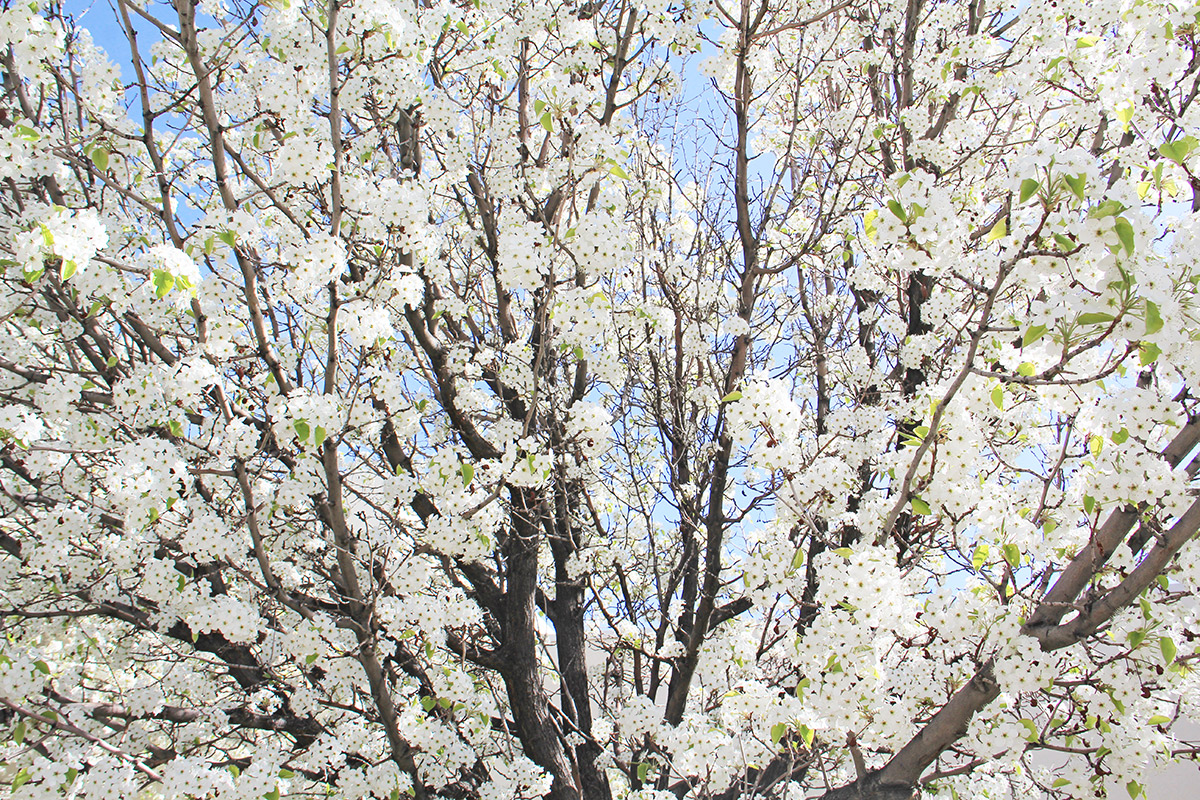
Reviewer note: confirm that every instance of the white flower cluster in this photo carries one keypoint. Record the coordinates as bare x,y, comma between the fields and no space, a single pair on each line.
315,262
238,621
601,243
584,316
523,255
20,423
192,776
306,417
31,35
208,538
767,419
866,583
365,325
590,428
72,236
20,677
145,476
515,779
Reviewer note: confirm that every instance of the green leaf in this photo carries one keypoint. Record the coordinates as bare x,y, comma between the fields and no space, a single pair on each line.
807,734
616,171
99,157
1124,233
1026,370
23,777
19,732
1158,719
273,794
898,210
302,429
1077,184
1060,782
777,732
643,771
1179,149
844,552
998,396
919,506
1134,788
318,436
1089,504
286,773
468,473
310,658
1121,436
228,237
1094,318
538,105
1034,333
1029,188
1012,554
733,396
1154,321
1136,638
1095,445
1167,646
176,427
547,122
1149,353
979,557
66,269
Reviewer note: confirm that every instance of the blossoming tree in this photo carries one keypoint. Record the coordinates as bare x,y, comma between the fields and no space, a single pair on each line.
602,399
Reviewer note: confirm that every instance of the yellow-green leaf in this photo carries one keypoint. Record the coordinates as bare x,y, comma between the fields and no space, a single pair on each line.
998,231
979,557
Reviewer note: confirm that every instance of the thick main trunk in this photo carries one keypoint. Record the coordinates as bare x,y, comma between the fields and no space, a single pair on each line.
522,675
